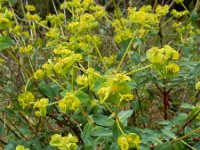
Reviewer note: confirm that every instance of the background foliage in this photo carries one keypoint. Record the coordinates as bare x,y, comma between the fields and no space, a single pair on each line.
99,74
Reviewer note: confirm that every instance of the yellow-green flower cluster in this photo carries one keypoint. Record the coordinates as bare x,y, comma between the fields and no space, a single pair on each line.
69,102
46,70
161,55
126,97
32,17
21,147
122,29
30,7
109,61
116,89
5,19
182,29
146,8
82,80
84,42
179,1
77,8
162,59
55,19
142,18
172,68
127,141
27,49
64,142
53,33
162,10
197,85
16,30
2,61
39,74
41,106
48,67
26,99
179,14
86,23
63,65
89,79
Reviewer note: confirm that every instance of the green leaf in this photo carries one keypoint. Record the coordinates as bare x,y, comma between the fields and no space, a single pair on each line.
124,45
82,96
114,146
124,115
195,72
1,129
102,120
87,130
116,131
165,146
136,58
50,90
10,146
5,42
102,132
167,132
187,106
194,17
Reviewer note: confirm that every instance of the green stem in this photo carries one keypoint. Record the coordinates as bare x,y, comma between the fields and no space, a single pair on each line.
196,6
126,51
185,8
117,121
185,136
72,79
140,69
166,21
27,84
99,53
31,65
116,117
188,145
118,14
57,83
17,61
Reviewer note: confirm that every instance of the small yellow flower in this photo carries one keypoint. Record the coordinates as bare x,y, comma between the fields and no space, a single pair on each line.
82,80
162,10
69,102
179,1
172,68
39,74
197,85
26,99
41,106
21,147
123,143
30,7
27,49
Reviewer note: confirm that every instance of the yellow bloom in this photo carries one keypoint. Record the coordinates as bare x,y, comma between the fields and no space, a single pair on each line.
172,68
162,10
179,1
82,80
30,7
41,106
27,49
69,102
197,85
26,99
21,147
39,74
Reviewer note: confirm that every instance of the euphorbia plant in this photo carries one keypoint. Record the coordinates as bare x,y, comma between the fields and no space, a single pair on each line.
85,74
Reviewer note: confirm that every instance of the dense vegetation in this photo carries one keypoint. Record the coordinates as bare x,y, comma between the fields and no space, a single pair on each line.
92,75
